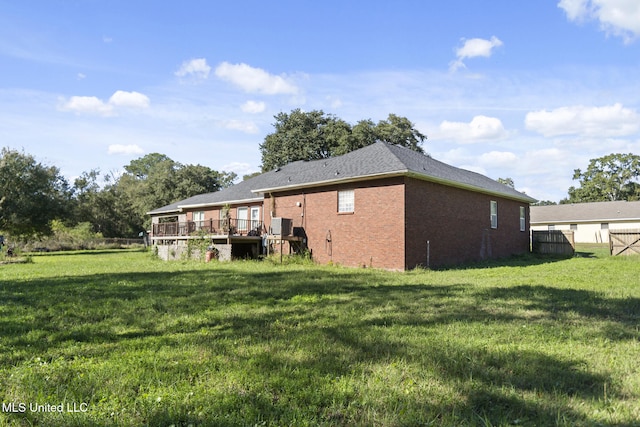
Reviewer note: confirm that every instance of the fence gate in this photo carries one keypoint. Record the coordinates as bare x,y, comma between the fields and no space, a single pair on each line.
624,242
555,242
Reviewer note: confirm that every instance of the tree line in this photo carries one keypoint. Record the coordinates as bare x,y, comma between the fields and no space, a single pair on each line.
33,195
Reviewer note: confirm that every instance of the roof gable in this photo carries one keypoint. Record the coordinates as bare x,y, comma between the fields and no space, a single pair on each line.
379,160
373,161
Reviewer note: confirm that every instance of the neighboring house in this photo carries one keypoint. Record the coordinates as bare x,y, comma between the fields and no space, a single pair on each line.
381,206
590,222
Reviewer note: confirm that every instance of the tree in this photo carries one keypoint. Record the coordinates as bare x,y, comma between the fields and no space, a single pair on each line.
507,181
155,180
198,179
104,207
315,135
608,178
301,136
31,194
400,131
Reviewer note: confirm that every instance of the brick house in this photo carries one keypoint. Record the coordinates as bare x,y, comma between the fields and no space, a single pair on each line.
381,206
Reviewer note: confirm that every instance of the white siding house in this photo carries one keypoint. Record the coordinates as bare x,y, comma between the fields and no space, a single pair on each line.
590,222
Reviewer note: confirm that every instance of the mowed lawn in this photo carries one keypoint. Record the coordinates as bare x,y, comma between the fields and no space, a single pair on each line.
118,338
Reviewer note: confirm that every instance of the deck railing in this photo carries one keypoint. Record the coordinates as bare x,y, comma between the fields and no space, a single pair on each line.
230,226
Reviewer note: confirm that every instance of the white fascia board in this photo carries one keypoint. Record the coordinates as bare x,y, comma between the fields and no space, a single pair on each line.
405,172
226,202
330,182
586,221
170,211
456,184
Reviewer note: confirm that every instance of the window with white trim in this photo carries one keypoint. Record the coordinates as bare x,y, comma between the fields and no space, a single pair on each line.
345,201
523,221
198,219
494,214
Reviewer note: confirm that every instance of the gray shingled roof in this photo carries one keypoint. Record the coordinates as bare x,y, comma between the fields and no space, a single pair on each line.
585,212
376,160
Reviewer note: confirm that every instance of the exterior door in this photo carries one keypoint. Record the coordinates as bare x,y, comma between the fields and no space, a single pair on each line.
243,219
255,218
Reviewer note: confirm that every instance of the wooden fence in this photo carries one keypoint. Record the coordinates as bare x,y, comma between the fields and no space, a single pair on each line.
554,242
624,242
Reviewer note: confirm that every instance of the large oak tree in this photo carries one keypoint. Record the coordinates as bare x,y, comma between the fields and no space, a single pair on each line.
31,194
608,178
315,135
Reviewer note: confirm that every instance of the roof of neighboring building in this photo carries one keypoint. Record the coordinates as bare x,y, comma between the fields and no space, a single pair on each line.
585,212
377,160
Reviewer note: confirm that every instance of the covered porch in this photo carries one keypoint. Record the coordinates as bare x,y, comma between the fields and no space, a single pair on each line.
230,238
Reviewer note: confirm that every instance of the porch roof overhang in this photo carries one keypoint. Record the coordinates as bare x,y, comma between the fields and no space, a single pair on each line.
221,203
181,208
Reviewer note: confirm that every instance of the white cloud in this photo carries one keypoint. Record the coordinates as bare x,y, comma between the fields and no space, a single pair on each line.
254,80
481,128
239,168
253,107
129,99
617,17
608,121
95,106
334,102
473,48
87,105
197,69
503,159
124,149
242,126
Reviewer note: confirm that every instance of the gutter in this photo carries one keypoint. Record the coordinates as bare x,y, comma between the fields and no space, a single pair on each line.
330,182
405,172
582,221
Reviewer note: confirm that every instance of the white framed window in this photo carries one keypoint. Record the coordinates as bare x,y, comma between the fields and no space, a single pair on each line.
523,221
345,201
198,217
494,214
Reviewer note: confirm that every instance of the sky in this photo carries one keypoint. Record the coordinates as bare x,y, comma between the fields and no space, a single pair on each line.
529,90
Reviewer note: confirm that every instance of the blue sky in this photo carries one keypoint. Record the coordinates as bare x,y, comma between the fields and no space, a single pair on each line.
527,89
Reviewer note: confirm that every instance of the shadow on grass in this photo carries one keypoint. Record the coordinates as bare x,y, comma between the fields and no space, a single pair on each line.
293,334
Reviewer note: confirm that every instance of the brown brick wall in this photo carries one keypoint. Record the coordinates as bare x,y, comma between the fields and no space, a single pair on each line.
373,235
457,224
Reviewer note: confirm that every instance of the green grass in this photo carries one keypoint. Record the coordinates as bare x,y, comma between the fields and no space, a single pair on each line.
136,341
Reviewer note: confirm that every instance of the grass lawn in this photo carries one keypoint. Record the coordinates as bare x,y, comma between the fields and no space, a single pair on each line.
117,338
